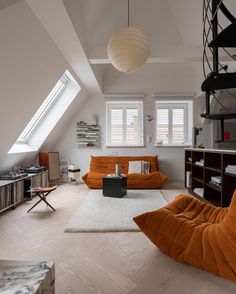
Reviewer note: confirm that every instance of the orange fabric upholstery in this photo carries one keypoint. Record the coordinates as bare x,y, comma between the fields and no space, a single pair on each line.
100,166
195,232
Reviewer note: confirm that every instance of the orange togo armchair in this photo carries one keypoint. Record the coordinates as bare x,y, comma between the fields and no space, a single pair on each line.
195,232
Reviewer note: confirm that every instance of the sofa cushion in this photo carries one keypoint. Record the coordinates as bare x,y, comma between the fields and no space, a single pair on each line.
134,181
106,164
135,167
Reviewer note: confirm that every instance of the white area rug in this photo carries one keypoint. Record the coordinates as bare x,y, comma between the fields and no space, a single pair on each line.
107,214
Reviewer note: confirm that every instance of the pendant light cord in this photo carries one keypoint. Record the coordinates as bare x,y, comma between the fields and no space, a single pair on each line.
128,13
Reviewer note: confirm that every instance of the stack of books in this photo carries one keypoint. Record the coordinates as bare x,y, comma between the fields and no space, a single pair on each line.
216,181
230,169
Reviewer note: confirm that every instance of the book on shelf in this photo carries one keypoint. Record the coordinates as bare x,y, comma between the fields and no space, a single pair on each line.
216,179
231,166
230,170
200,163
215,184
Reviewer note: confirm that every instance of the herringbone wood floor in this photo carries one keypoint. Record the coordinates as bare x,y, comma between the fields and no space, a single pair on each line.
104,263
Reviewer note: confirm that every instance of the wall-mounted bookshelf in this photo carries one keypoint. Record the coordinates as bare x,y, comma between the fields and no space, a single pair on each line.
88,135
201,165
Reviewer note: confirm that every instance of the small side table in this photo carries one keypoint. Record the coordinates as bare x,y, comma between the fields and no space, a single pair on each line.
42,193
115,186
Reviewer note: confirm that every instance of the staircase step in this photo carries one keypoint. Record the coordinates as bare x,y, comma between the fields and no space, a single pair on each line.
220,115
226,38
219,81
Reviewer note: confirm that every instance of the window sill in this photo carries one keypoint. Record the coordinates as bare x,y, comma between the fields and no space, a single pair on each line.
173,146
124,146
21,147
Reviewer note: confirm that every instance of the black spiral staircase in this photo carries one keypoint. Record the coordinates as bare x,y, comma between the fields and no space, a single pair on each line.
215,80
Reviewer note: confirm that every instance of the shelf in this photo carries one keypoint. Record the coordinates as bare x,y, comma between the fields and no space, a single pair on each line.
229,174
213,187
198,180
218,170
88,135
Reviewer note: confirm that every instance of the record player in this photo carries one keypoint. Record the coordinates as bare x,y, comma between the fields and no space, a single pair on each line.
34,169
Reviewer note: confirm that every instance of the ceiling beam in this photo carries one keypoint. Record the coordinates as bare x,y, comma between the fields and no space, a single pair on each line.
185,54
54,18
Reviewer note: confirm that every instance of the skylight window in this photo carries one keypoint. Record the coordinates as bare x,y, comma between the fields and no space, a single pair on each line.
48,114
44,108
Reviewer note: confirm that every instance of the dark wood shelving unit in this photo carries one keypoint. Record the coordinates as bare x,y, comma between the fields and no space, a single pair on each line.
215,162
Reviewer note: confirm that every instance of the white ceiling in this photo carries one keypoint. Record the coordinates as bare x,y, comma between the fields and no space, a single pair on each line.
173,27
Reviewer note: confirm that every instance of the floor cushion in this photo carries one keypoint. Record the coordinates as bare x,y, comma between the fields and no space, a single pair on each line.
195,232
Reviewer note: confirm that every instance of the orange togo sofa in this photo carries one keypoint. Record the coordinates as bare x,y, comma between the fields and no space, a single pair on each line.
100,166
195,232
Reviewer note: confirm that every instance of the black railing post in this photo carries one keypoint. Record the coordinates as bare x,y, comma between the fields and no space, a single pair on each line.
207,99
214,34
222,130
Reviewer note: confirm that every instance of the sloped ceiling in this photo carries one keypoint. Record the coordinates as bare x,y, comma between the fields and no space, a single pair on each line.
39,39
174,28
30,65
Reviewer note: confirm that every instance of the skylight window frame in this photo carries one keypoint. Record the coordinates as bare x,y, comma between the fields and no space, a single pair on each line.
44,109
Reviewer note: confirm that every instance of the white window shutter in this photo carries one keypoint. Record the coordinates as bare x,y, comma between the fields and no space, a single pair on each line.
174,121
124,123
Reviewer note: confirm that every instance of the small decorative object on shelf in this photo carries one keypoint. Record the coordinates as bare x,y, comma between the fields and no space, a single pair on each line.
200,162
88,135
200,145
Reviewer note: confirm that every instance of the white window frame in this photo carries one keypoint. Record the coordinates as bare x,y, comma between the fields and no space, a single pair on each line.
47,115
123,105
188,121
46,106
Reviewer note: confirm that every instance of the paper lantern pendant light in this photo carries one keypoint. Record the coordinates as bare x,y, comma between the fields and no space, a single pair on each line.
128,49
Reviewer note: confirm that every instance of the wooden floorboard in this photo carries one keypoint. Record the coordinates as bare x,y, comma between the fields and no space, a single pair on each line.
99,263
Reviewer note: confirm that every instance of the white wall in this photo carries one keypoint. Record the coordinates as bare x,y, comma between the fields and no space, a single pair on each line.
30,65
171,159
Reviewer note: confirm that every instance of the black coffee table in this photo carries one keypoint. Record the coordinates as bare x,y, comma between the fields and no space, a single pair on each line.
114,186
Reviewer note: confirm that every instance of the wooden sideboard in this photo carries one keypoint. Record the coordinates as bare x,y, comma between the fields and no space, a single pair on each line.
213,163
